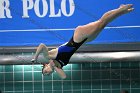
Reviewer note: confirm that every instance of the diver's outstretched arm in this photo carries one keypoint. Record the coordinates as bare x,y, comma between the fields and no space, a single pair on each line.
60,72
41,48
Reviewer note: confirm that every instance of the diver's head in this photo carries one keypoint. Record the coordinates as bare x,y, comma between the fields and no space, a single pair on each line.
48,69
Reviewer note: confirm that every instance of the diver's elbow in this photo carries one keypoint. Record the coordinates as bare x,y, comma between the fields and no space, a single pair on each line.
63,77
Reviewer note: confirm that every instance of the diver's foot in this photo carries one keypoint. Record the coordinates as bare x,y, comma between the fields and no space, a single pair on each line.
126,8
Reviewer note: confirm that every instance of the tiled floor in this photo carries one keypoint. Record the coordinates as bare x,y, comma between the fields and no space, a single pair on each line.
81,78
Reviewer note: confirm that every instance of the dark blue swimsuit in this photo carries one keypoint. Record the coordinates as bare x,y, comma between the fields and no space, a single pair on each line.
66,51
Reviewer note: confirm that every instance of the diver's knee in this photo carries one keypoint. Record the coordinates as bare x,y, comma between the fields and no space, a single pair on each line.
101,24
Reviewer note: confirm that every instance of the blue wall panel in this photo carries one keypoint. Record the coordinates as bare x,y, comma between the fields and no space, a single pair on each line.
21,31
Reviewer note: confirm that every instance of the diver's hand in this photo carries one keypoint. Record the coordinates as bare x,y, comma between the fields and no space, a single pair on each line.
33,60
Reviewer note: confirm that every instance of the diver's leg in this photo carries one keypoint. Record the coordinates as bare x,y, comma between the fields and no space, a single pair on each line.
92,29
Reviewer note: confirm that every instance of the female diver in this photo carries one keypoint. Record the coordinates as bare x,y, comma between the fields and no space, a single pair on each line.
60,56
